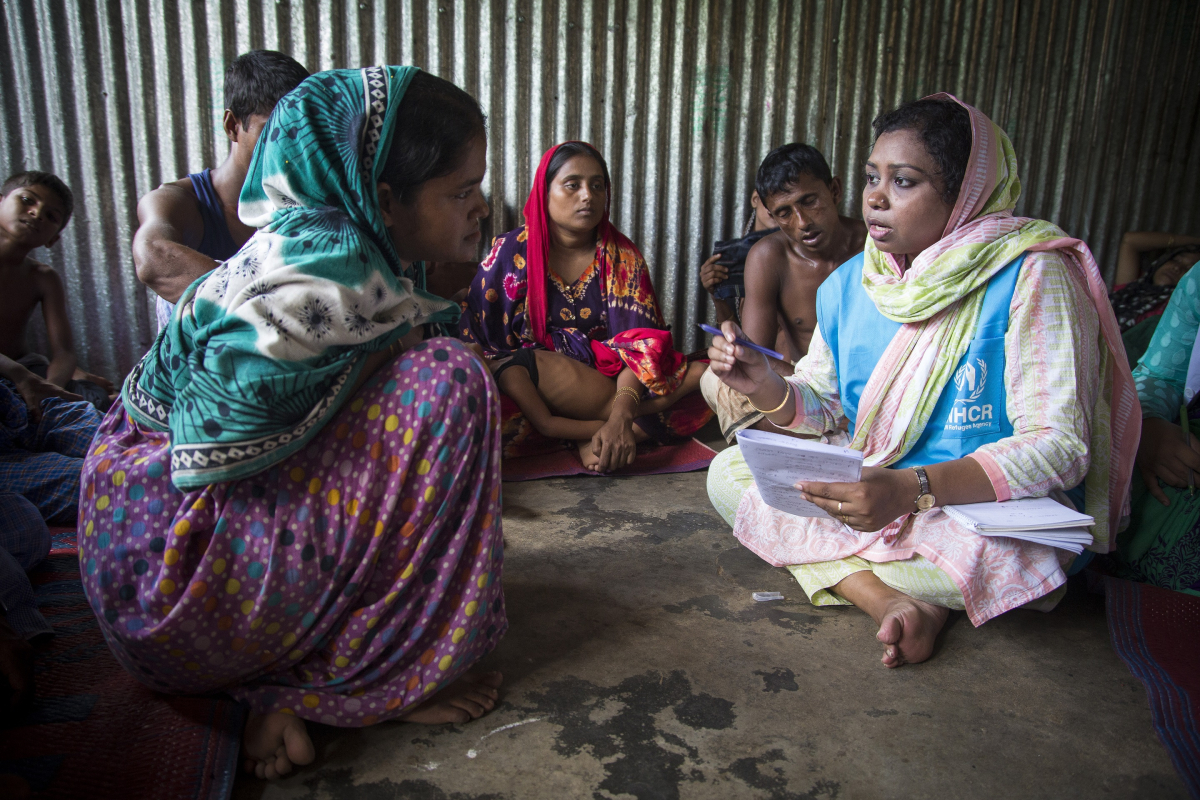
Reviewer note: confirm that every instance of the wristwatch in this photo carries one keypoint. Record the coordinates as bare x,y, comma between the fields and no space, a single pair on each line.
925,500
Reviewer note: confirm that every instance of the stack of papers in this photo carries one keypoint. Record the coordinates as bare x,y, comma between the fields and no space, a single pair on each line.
778,462
1032,519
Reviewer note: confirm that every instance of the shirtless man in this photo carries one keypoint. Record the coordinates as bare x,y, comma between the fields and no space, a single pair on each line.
784,269
189,225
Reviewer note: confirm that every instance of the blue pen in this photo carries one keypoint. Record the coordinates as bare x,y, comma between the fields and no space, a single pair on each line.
739,340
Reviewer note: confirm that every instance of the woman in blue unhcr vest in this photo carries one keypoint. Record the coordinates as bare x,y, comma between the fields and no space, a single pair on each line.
975,357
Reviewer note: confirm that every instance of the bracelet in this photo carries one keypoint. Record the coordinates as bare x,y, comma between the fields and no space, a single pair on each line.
637,397
787,393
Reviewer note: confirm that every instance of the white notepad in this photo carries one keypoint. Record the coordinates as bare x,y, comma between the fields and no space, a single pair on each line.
778,462
1032,519
1026,514
1073,539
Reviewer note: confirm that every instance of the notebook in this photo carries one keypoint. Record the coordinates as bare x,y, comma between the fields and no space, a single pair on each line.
778,462
1032,519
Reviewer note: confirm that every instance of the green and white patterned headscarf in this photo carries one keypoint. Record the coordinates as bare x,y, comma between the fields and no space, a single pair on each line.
263,351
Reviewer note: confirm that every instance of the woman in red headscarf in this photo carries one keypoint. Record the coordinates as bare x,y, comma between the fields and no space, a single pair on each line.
564,308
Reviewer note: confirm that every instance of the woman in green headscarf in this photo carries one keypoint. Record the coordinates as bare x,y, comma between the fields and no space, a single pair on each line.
297,499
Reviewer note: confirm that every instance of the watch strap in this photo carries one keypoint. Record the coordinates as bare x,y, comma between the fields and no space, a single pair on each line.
923,479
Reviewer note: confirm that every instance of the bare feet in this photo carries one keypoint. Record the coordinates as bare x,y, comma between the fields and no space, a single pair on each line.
908,629
468,698
273,743
591,461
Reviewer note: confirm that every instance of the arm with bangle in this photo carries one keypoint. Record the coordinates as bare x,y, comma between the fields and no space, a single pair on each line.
806,402
809,403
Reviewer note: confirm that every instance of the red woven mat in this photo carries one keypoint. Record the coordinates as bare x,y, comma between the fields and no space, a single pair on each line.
1156,632
96,732
651,460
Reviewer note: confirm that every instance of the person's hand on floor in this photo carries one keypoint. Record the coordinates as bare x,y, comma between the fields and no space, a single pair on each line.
1162,455
34,390
16,667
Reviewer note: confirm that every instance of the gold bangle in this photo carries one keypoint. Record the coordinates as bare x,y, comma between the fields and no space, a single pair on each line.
787,393
637,398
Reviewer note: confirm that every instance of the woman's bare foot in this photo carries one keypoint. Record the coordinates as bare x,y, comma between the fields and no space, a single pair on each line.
907,627
591,461
468,698
275,742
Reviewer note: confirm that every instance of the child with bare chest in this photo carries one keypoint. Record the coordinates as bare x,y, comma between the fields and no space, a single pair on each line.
34,209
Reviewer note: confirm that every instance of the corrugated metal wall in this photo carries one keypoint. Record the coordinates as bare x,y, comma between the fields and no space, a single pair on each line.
683,96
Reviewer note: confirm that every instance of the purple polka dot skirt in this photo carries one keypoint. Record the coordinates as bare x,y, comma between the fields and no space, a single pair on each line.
345,585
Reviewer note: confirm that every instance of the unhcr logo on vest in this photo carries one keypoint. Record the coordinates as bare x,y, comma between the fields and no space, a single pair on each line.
968,413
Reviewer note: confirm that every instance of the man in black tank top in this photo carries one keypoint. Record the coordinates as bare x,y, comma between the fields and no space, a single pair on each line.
188,225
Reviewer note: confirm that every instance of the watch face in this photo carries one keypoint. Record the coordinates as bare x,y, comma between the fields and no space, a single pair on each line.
925,502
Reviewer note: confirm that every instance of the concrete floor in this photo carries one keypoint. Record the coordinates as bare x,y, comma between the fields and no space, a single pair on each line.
637,665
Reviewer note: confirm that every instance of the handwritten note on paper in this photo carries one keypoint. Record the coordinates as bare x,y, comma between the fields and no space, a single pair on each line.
778,462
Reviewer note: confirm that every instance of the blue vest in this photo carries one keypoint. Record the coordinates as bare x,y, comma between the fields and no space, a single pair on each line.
971,411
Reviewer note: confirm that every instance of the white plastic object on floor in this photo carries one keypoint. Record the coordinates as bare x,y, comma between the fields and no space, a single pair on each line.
764,596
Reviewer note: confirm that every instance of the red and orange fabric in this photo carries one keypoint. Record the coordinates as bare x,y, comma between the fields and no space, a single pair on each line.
608,319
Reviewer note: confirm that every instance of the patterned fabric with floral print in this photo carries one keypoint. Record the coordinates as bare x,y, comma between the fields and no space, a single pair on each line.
606,325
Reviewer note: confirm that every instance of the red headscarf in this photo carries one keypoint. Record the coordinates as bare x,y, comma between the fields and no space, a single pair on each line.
537,244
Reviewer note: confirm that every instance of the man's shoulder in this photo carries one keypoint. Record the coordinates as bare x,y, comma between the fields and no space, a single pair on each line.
170,200
771,251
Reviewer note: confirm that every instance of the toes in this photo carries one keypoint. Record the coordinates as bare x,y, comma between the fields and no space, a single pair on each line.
485,701
890,630
472,709
482,690
282,765
297,745
891,657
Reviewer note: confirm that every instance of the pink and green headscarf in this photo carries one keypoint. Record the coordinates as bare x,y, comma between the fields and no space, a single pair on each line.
939,297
